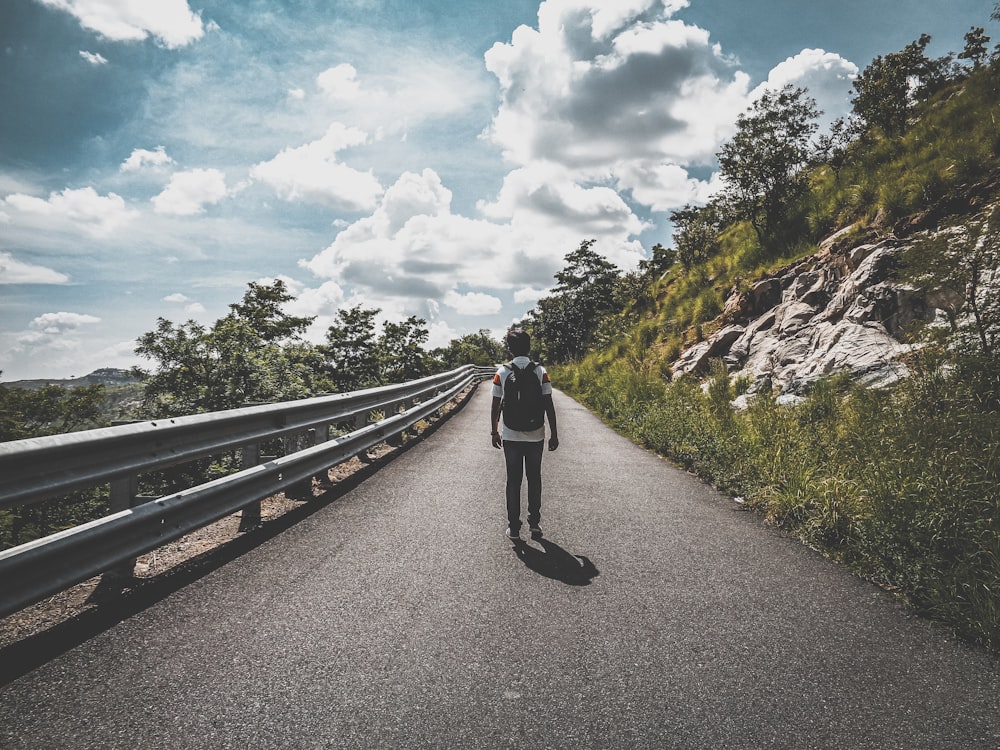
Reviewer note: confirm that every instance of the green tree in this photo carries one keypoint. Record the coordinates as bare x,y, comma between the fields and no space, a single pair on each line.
976,47
252,354
696,234
661,258
886,91
564,324
351,355
478,348
52,410
762,164
401,352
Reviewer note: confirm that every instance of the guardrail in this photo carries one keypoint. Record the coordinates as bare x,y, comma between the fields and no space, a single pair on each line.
39,468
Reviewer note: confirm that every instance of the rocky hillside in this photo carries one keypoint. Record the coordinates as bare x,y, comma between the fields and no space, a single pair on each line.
842,310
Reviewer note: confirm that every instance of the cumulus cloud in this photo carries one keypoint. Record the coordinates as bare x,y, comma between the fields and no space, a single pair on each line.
190,307
13,271
70,210
53,331
826,75
313,174
601,82
189,192
170,22
413,254
339,82
473,303
94,58
141,158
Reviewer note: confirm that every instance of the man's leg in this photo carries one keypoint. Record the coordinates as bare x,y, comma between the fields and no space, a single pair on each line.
533,468
513,453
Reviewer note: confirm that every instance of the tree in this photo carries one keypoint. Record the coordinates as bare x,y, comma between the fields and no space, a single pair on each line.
885,91
51,410
696,234
661,258
252,354
351,357
400,350
261,310
763,163
474,348
976,47
564,324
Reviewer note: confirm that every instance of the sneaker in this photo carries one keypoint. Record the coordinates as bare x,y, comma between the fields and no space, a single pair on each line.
536,531
513,533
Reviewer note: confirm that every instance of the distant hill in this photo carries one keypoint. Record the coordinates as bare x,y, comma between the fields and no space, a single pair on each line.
107,376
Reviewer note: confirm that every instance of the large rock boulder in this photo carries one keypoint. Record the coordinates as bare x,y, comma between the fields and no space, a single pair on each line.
842,310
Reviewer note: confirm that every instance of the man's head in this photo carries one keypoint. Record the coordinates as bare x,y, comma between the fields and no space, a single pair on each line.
518,342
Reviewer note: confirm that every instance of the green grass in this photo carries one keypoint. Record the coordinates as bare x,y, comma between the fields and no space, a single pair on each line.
895,484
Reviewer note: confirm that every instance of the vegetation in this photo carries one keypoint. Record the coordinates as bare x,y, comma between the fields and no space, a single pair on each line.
256,353
900,484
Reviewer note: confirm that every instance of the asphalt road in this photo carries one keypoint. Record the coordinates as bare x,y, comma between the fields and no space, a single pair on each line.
655,614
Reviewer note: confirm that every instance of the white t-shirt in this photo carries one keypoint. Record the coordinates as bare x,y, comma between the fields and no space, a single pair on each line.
500,379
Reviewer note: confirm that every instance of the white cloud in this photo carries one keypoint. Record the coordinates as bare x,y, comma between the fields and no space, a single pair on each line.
472,303
13,271
619,95
412,254
71,210
296,94
170,22
53,331
142,157
312,173
177,297
599,83
94,58
189,192
529,295
339,82
826,75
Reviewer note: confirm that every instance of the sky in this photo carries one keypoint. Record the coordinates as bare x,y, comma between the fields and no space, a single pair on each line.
436,158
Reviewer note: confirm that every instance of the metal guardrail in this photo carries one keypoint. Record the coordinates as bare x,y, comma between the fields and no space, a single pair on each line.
40,468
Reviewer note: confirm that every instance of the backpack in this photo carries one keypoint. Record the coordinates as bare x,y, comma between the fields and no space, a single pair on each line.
523,409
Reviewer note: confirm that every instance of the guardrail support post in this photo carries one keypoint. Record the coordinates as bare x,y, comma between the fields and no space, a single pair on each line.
250,513
300,490
122,497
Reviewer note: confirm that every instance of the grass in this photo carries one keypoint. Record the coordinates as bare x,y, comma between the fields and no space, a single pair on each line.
895,484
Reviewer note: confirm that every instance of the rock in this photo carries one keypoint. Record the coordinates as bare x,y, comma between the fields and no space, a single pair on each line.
837,311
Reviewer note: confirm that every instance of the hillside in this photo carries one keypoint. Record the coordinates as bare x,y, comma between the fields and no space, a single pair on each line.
856,331
108,377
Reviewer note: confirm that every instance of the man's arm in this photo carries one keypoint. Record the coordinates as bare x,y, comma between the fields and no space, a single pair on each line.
550,414
495,422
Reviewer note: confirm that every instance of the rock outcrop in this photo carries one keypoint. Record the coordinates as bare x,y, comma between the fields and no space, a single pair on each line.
841,310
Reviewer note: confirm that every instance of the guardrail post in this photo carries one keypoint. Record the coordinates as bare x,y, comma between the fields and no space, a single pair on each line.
294,443
122,497
321,435
250,513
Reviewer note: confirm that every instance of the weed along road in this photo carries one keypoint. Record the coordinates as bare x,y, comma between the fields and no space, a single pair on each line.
653,614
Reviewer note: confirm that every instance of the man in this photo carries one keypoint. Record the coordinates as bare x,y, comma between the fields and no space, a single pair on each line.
523,404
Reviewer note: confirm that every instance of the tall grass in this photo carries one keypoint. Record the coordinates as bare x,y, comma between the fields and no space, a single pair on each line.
901,485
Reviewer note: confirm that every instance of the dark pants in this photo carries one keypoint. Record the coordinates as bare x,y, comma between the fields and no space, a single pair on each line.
523,458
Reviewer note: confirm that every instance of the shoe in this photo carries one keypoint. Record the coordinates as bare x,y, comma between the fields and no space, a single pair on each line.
536,531
513,533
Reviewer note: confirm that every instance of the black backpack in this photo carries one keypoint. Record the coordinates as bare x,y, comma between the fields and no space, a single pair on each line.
523,409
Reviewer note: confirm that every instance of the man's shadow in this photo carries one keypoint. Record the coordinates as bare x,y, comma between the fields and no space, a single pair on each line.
552,561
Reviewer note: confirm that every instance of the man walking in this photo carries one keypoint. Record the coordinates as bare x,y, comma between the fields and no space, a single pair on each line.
522,393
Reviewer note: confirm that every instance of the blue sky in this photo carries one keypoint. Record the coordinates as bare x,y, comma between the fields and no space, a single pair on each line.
431,158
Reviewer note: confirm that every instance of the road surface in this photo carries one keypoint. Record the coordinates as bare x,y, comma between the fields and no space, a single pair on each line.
654,614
